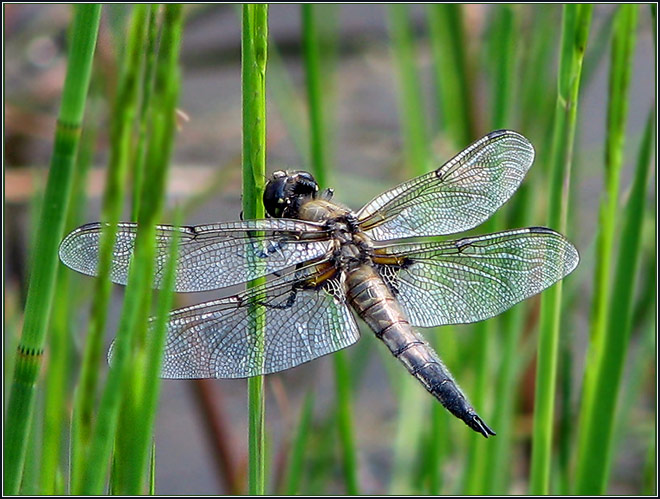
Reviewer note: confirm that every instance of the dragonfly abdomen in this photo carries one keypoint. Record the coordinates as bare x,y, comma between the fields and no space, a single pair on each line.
375,304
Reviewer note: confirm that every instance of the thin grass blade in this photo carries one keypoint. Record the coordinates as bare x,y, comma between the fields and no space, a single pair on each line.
51,225
575,29
141,271
121,128
612,322
294,474
254,53
453,84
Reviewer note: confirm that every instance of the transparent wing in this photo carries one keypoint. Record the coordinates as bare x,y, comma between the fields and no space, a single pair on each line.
472,279
213,340
210,256
456,197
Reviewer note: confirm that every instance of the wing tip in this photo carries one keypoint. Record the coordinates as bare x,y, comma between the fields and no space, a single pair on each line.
503,132
573,255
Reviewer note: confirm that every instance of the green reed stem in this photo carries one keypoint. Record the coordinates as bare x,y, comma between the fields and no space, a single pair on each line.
319,163
575,30
142,385
141,437
60,365
536,93
501,52
312,60
254,51
452,82
151,52
295,465
288,103
128,449
411,106
611,321
345,423
494,467
141,271
152,469
121,134
413,402
142,71
45,260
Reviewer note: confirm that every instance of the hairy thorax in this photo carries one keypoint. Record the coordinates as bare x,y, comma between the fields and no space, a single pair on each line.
352,247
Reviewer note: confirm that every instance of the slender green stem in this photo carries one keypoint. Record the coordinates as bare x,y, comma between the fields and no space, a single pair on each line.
344,423
295,465
318,133
452,82
411,107
501,51
575,29
413,403
151,51
140,66
254,52
142,387
121,132
611,321
141,437
141,271
536,84
51,226
480,350
319,154
489,463
57,389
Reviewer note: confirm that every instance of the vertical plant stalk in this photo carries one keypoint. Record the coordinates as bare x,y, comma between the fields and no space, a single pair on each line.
51,225
345,423
411,106
121,134
151,51
295,464
501,51
413,402
452,82
490,459
536,92
60,365
610,331
318,135
254,53
575,30
141,270
129,447
319,163
142,387
140,65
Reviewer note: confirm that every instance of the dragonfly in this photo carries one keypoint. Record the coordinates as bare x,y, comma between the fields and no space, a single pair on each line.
326,264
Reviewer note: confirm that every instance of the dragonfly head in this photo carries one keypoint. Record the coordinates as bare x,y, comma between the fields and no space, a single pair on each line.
286,191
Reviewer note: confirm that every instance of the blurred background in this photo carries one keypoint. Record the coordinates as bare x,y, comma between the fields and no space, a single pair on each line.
201,435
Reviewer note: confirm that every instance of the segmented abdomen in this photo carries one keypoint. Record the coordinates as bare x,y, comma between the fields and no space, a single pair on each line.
373,301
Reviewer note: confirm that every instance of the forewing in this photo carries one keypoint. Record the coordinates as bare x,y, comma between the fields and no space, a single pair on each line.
456,197
213,339
472,279
210,256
